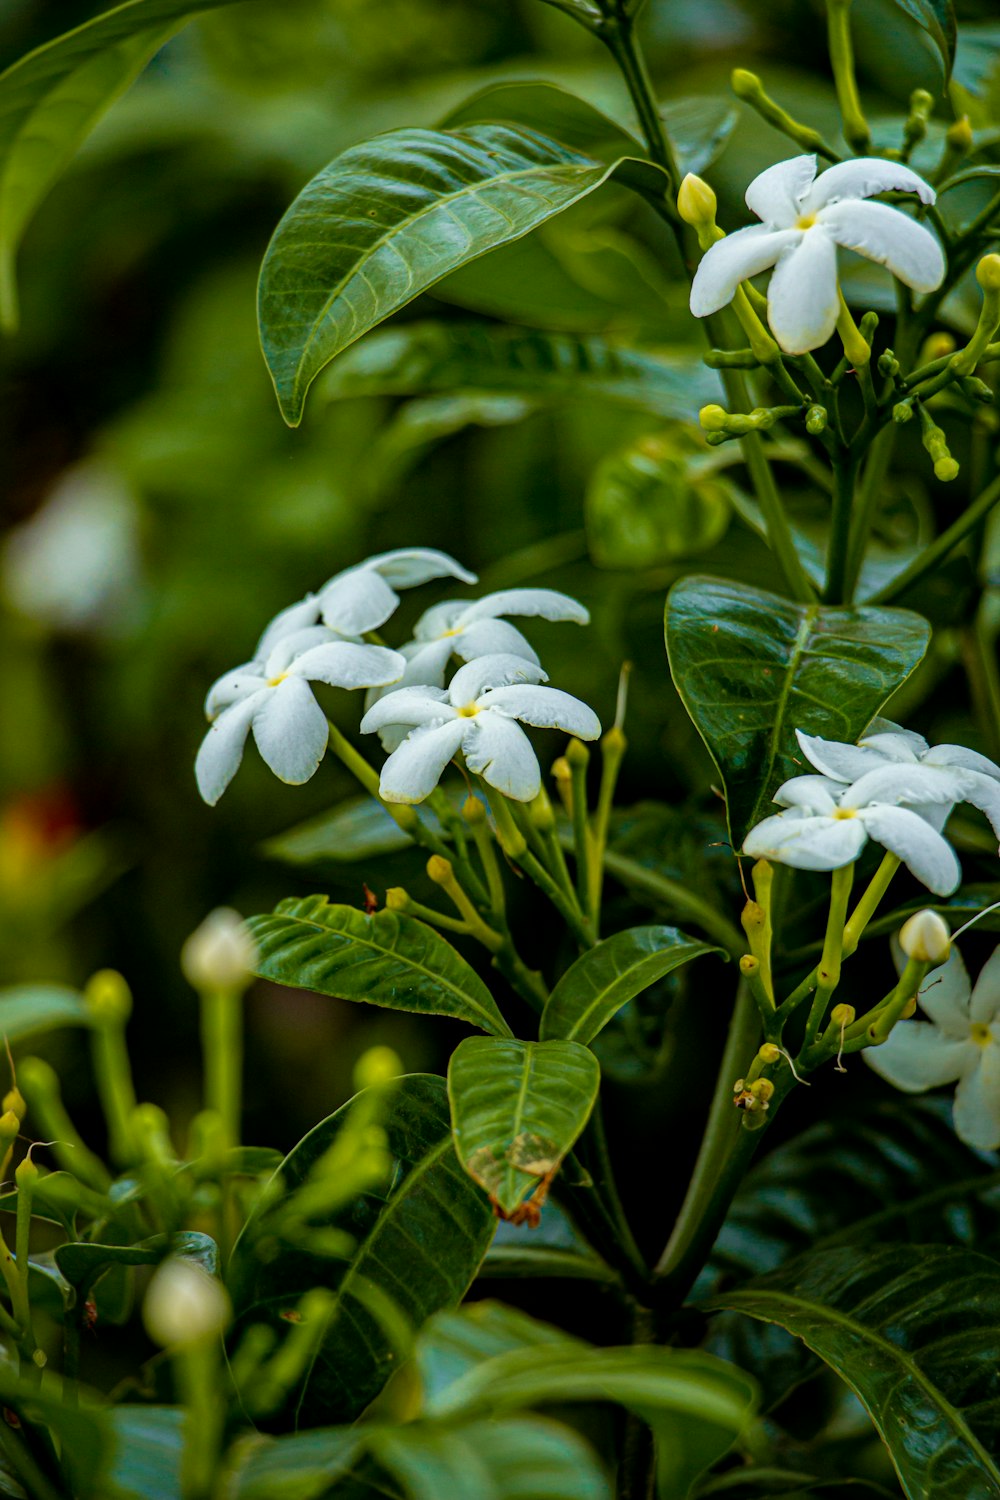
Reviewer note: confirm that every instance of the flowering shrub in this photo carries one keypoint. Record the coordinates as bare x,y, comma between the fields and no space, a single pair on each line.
308,1312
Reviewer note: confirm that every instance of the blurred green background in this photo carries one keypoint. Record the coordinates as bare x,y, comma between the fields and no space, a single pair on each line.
156,511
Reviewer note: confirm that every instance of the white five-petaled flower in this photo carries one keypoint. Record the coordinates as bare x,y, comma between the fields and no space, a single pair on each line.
889,764
805,218
826,825
960,1042
362,598
272,696
478,715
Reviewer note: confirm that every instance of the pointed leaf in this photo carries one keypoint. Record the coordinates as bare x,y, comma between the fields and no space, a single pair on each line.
517,1108
751,668
611,974
550,110
519,1458
914,1332
419,1243
421,357
31,1009
384,959
51,99
389,218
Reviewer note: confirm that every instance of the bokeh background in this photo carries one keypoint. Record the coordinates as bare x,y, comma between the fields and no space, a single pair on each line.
156,511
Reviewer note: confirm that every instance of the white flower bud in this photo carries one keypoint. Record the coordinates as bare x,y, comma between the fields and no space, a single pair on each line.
220,954
184,1304
925,938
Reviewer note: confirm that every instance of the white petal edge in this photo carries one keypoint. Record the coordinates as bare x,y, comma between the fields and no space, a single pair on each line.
924,852
291,731
408,705
341,664
413,770
776,194
985,1004
806,843
544,708
802,301
945,997
862,178
232,686
499,751
221,751
889,238
545,604
476,677
977,1101
917,1057
817,793
734,259
832,758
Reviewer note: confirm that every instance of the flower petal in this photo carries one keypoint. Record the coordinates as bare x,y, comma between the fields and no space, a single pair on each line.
408,566
977,1101
427,662
776,195
900,748
839,761
408,705
292,644
880,726
806,843
889,237
982,792
413,771
734,259
356,601
923,851
546,604
896,783
817,793
985,1004
499,751
862,178
233,686
492,638
221,750
544,708
802,301
439,618
296,617
945,997
917,1057
965,760
342,664
291,731
472,680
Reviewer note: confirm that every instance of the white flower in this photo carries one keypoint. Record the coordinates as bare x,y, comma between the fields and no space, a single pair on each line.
220,954
184,1304
272,696
805,218
476,715
895,765
960,1042
925,937
362,598
827,825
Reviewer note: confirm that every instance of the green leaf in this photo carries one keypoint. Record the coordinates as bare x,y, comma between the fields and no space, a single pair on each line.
551,1248
419,1242
389,218
751,668
385,959
647,506
355,829
83,1263
422,357
517,1458
32,1009
698,129
145,1459
550,111
52,98
937,19
611,974
516,1109
913,1331
453,1343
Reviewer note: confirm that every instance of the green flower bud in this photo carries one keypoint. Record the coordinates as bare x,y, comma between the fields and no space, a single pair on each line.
220,954
108,998
185,1305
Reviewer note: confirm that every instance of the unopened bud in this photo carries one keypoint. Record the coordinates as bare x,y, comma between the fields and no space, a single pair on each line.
185,1305
14,1101
945,468
10,1128
473,811
696,202
816,420
988,273
396,899
763,1090
902,412
842,1015
108,998
959,135
713,418
937,346
25,1175
577,754
440,870
769,1054
925,938
377,1066
220,954
541,814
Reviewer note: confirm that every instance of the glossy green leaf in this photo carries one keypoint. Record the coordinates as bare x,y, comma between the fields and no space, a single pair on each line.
385,959
357,828
32,1009
913,1330
698,129
751,668
552,1247
453,1343
419,1242
551,111
513,1458
646,507
146,1447
516,1109
937,19
83,1263
611,974
422,357
389,218
51,99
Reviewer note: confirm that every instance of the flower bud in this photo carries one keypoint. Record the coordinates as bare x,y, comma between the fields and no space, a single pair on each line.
396,899
988,273
10,1128
184,1305
925,938
577,754
108,998
377,1066
816,419
713,418
440,870
769,1053
220,954
842,1015
14,1101
25,1175
696,202
473,811
959,135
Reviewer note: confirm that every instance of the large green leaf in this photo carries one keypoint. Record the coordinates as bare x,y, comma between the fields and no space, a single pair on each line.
30,1009
611,974
389,218
418,1244
52,98
647,505
937,19
421,357
551,1247
516,1109
751,668
384,959
913,1330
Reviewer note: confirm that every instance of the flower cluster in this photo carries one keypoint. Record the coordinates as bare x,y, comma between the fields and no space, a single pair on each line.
891,787
327,637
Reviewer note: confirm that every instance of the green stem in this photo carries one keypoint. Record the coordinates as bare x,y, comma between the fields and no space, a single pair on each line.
618,35
724,1154
678,898
866,506
513,840
113,1076
222,1049
844,473
939,549
613,753
856,131
828,973
864,911
984,677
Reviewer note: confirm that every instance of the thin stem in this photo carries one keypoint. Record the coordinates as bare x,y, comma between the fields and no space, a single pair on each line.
866,907
984,677
844,473
866,504
613,752
939,549
113,1076
725,1151
856,131
678,898
618,35
828,973
222,1049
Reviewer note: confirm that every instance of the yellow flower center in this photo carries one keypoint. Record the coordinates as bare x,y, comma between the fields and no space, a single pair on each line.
273,681
806,221
843,812
469,711
980,1033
